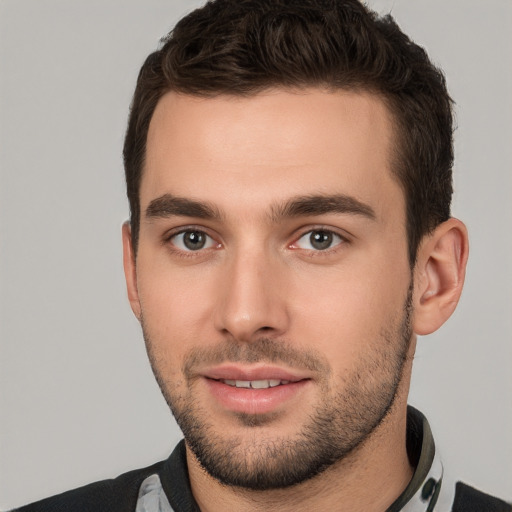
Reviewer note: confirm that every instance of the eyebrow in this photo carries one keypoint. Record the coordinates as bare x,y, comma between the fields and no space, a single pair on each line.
169,205
312,205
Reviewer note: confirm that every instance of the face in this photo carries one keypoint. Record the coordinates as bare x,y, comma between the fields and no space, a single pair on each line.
271,278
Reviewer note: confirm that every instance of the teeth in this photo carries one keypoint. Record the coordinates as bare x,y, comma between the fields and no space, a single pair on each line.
260,384
255,384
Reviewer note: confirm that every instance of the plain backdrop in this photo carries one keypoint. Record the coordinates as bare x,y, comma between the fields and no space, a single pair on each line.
78,401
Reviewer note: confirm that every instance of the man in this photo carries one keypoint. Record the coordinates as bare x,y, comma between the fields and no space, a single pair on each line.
289,174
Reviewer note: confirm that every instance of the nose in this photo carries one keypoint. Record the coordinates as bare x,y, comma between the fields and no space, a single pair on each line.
252,298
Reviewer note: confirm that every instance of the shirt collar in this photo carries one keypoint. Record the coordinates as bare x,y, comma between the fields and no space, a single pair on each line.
428,483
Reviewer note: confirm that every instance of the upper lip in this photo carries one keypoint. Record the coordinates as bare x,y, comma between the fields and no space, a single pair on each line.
250,373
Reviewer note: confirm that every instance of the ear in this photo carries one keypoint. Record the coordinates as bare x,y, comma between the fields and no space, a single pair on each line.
439,275
130,270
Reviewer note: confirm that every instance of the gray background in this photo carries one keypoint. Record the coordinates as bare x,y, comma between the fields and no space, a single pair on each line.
78,401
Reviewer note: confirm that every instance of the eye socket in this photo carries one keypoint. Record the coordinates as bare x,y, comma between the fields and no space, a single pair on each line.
192,240
318,240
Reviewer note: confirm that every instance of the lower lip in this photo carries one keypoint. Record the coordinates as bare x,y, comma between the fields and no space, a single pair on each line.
254,401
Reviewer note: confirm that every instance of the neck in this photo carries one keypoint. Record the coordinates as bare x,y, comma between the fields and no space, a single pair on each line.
369,478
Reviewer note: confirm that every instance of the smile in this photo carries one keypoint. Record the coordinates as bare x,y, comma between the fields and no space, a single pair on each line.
255,384
256,395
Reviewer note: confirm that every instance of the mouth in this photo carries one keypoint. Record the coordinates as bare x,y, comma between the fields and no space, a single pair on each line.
255,390
255,384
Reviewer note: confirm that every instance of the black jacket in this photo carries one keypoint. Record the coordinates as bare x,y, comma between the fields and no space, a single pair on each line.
120,494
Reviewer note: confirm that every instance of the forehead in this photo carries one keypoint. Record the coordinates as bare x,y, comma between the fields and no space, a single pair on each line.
250,151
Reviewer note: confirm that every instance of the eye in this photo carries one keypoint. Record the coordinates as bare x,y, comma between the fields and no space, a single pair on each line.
318,240
192,240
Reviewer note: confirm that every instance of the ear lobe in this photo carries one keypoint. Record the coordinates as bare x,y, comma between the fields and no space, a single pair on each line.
130,270
439,275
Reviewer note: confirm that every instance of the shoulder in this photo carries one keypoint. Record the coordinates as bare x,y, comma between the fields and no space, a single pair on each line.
468,499
114,495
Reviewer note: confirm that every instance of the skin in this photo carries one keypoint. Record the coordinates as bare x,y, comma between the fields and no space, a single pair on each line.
259,278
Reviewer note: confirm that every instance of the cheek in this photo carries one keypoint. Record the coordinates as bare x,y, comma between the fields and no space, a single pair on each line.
176,307
347,312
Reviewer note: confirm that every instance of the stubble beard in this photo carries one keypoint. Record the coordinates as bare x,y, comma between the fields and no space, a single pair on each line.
340,422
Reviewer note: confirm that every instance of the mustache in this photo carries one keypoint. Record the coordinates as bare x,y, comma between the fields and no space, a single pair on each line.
262,350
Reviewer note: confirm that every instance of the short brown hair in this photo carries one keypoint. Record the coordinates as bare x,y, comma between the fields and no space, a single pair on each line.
241,47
